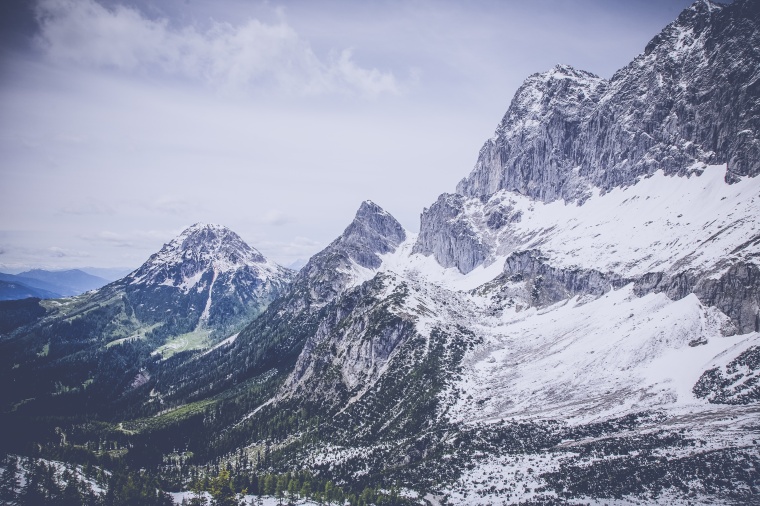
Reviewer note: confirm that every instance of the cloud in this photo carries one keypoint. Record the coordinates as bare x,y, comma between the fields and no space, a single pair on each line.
56,252
253,55
90,206
112,238
274,217
173,205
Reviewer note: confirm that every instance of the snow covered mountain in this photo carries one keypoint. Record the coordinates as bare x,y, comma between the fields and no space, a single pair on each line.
587,305
578,323
197,290
210,273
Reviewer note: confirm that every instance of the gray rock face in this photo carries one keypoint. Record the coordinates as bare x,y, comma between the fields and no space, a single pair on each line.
736,292
352,344
372,233
549,284
446,234
528,279
533,151
692,96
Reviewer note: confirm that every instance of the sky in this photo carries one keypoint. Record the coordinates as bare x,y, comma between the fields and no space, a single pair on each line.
124,122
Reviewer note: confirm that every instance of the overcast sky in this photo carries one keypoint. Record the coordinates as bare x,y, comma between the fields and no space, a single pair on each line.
123,122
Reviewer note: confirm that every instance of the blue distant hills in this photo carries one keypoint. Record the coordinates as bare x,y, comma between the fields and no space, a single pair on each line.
46,284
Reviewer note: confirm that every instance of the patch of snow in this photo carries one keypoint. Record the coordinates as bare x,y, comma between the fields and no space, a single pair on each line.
569,362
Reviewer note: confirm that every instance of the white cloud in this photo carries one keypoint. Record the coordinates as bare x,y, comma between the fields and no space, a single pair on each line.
253,55
274,217
57,252
88,206
174,205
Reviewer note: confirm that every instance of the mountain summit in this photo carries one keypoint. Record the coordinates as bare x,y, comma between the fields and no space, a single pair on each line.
199,248
690,99
211,273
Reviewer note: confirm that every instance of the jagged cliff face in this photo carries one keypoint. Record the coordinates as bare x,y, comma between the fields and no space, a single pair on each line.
533,150
452,240
691,97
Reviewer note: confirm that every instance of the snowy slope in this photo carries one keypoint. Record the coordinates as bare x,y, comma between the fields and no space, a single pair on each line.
662,223
529,361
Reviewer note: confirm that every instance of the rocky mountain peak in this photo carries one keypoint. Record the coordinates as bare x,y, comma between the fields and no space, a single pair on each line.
688,26
548,105
562,90
376,225
218,242
206,277
697,9
199,248
373,232
690,99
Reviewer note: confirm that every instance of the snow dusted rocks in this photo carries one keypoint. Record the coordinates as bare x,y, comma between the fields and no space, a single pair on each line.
208,277
354,255
447,235
532,150
197,249
691,97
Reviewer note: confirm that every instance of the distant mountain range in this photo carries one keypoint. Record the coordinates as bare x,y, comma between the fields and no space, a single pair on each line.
48,284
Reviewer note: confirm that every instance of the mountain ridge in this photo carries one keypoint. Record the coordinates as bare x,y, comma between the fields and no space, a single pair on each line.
652,114
58,283
577,324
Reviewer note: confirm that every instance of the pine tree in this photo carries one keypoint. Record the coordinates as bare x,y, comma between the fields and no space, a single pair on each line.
199,498
222,492
9,482
31,493
329,492
305,489
71,495
281,487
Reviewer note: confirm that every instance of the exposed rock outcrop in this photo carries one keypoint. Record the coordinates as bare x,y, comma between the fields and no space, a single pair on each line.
693,96
447,234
